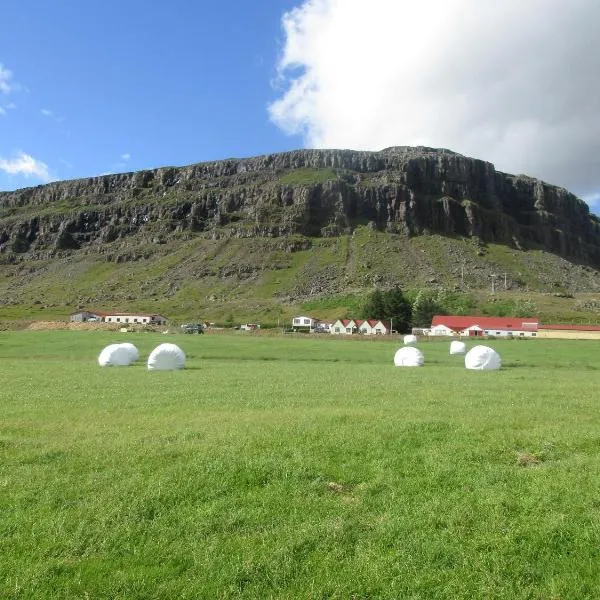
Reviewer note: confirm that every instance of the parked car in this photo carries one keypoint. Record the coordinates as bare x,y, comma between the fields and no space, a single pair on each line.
193,328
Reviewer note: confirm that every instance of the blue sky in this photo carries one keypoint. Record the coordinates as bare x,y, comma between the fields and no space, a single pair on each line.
93,87
118,86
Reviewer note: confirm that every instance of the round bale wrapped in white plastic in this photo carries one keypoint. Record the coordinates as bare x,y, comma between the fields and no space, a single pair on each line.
410,340
133,351
482,358
457,347
409,357
115,355
166,357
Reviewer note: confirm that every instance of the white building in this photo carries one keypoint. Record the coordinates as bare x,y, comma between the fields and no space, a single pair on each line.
303,323
478,326
135,318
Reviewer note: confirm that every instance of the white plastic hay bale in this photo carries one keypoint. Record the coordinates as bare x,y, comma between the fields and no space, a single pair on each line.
457,347
114,355
410,340
166,357
133,351
482,358
409,356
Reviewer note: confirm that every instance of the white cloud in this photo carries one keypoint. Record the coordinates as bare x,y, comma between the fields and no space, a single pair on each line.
126,156
6,107
27,166
46,112
511,82
6,85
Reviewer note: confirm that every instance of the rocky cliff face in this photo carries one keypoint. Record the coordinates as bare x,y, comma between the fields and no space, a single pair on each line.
317,193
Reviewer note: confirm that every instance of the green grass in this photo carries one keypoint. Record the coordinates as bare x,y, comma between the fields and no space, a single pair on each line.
285,467
307,176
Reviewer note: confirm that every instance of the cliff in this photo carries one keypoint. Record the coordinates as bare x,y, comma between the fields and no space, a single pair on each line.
400,190
258,236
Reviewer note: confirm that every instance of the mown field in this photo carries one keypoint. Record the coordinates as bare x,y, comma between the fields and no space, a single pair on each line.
297,467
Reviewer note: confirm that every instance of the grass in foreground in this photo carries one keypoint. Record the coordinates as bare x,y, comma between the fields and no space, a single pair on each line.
297,468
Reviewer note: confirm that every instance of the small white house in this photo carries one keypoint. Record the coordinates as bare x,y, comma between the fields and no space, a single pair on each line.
373,327
303,323
344,327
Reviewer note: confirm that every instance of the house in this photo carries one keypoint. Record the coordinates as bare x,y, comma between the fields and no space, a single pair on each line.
87,315
303,324
477,326
344,327
572,332
135,318
374,327
249,326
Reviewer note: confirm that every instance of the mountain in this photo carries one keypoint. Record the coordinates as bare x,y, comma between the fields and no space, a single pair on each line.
258,234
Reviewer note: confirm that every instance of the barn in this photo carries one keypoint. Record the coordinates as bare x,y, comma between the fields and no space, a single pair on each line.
478,326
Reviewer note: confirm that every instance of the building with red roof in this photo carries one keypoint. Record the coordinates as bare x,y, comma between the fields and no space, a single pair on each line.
477,325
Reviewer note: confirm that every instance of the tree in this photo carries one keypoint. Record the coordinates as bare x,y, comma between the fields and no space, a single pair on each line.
374,306
425,306
390,305
397,309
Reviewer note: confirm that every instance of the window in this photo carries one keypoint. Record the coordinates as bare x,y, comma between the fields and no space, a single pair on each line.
337,329
297,321
118,320
348,330
497,333
307,321
521,334
533,334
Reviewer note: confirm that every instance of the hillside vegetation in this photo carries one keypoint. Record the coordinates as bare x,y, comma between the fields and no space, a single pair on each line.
262,238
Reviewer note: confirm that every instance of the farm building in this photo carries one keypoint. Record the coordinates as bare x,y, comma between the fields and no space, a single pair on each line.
87,315
476,326
135,318
572,332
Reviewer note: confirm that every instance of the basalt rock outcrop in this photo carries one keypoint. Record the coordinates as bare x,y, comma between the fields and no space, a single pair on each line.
402,190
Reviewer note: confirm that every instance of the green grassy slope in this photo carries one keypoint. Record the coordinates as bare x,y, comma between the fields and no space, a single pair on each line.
263,279
297,468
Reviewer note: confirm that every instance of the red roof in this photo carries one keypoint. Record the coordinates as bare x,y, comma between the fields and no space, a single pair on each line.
499,323
572,327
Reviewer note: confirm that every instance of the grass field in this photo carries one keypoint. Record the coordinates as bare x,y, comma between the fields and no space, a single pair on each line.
297,467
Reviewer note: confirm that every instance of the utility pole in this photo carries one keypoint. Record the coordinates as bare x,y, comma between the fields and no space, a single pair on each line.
391,325
493,276
505,284
462,275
